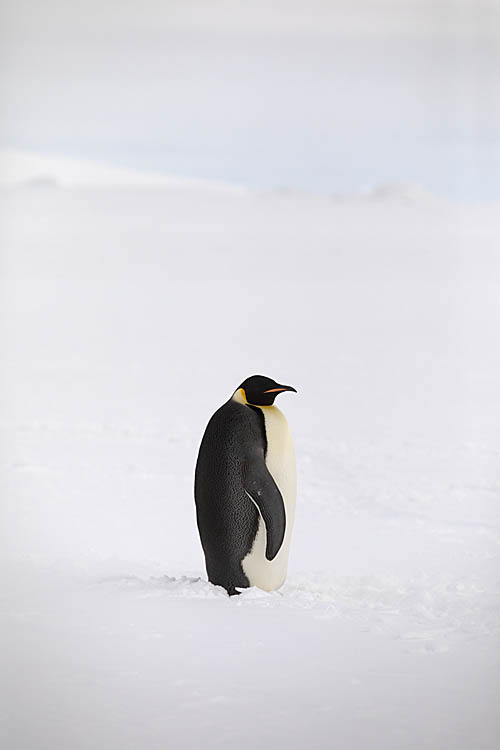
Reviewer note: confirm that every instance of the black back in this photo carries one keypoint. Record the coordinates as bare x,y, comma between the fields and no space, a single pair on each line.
231,463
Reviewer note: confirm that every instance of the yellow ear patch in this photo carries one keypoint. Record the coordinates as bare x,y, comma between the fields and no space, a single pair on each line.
240,396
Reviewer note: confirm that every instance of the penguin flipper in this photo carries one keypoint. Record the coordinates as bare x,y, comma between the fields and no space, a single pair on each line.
264,492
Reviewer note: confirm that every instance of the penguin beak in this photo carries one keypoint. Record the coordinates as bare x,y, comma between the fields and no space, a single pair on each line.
280,389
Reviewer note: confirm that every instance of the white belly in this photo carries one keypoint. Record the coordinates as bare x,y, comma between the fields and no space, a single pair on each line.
280,460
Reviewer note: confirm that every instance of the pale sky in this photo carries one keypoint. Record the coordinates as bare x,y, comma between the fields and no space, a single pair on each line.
329,96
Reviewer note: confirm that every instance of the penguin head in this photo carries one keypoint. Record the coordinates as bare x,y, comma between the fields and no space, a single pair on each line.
261,391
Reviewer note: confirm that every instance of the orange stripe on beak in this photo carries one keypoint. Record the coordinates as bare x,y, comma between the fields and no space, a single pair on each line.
275,390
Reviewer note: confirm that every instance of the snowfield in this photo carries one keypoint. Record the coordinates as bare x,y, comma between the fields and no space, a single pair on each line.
129,311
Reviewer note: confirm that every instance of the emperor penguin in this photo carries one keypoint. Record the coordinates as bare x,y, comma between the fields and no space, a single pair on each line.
245,488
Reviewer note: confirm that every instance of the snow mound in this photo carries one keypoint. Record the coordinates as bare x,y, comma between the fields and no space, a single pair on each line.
20,169
184,587
402,192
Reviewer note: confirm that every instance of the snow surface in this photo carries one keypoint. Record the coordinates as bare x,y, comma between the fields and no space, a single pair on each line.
24,169
127,317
